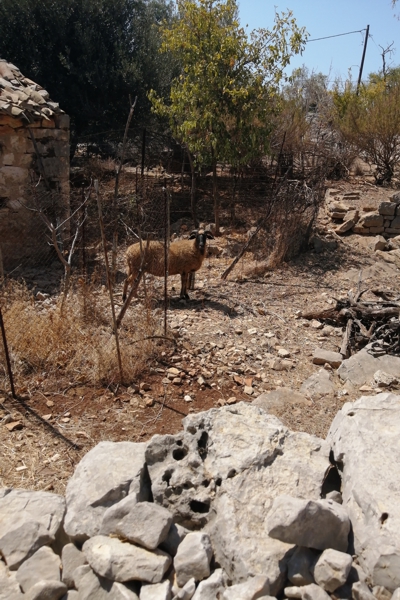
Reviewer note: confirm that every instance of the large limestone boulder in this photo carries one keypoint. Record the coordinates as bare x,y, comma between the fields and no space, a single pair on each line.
223,472
365,441
107,474
361,367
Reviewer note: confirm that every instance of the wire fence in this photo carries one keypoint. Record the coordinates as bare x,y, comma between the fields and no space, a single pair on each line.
61,309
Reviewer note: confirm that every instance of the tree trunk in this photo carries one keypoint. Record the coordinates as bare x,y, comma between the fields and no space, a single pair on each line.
215,192
193,190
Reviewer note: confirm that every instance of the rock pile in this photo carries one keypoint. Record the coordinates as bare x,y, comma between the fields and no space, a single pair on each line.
235,507
386,220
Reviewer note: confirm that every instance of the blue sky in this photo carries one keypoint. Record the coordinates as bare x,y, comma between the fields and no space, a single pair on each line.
327,17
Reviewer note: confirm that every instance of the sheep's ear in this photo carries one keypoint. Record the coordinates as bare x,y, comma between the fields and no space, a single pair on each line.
193,234
209,235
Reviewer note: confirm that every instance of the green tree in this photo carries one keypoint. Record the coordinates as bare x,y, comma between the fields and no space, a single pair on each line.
220,102
89,54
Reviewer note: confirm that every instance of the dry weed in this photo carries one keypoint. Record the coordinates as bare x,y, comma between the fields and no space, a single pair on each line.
74,338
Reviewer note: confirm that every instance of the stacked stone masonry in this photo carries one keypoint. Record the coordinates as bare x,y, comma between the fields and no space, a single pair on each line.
31,125
385,220
234,507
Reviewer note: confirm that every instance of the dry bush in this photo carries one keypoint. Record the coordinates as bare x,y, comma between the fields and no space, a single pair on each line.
76,342
289,221
370,123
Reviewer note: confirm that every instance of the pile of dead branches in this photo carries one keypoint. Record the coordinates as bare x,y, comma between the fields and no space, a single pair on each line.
374,322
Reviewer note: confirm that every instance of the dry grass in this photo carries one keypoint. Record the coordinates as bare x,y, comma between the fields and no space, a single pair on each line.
74,337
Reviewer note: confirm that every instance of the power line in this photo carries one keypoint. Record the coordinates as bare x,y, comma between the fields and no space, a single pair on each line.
337,35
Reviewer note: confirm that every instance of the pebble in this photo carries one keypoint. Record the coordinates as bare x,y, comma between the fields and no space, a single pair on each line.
173,371
14,426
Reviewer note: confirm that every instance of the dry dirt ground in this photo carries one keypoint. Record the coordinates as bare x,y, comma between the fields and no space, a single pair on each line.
226,337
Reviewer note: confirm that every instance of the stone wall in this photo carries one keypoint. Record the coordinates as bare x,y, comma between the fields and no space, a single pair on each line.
22,233
385,220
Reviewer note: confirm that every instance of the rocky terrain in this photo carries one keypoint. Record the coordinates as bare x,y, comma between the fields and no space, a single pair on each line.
236,506
236,340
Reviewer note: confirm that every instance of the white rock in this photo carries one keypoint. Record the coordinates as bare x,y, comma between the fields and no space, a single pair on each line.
9,586
396,594
332,569
186,593
313,592
28,520
120,591
79,573
46,590
93,587
256,587
156,591
318,385
292,591
23,541
119,561
381,593
335,496
317,524
360,591
71,558
299,566
210,588
89,493
320,357
71,595
43,565
361,367
175,535
365,437
384,379
193,558
143,523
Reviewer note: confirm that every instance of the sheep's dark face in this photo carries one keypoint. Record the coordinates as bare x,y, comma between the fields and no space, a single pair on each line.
201,238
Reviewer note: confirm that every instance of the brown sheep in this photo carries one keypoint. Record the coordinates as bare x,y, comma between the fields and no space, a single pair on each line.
185,257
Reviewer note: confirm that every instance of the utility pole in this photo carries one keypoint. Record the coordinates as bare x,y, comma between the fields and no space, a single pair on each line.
362,59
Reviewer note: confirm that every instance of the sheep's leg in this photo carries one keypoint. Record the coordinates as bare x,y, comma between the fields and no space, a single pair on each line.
184,281
130,279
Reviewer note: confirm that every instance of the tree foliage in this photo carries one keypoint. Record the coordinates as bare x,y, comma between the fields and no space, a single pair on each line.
307,89
89,54
370,121
220,103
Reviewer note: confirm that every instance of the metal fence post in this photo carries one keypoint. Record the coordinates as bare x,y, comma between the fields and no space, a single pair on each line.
8,362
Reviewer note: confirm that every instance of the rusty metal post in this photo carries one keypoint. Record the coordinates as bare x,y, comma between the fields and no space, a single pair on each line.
1,265
9,369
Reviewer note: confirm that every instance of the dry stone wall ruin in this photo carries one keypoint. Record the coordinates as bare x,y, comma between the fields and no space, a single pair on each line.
34,147
384,221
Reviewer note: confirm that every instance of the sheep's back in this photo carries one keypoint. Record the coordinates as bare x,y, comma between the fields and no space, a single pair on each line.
184,257
154,257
